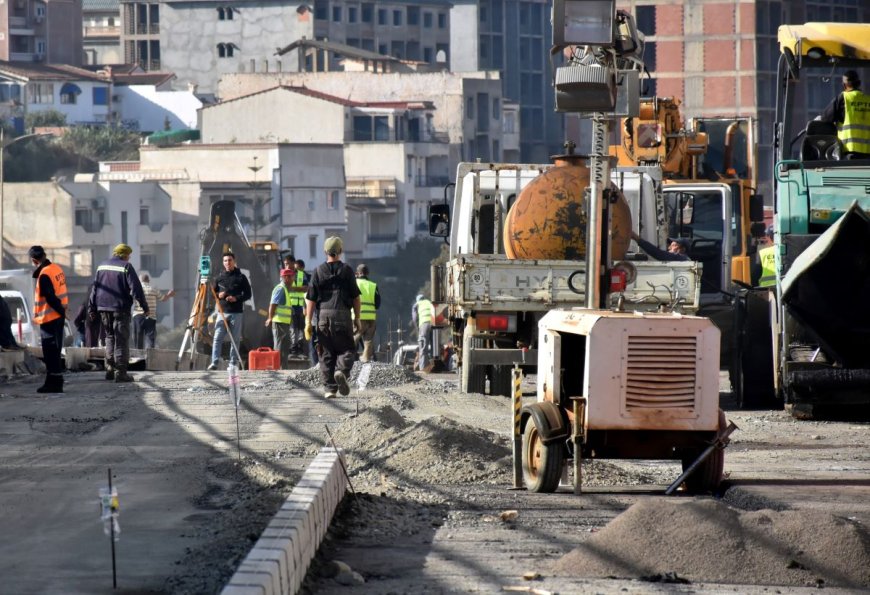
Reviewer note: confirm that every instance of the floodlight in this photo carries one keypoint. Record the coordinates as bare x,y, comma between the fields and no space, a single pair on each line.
583,22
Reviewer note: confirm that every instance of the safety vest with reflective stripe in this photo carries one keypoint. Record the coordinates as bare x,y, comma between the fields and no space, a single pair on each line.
367,290
42,312
854,133
767,256
297,298
283,313
424,313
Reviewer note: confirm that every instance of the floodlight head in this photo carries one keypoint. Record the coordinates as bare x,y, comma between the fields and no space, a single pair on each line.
584,22
581,88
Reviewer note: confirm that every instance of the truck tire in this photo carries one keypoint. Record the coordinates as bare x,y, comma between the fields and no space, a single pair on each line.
501,381
707,477
752,376
472,378
542,463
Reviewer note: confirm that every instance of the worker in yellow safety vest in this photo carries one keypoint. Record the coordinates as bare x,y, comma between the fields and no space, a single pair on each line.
50,302
280,316
297,301
370,301
850,111
423,314
767,259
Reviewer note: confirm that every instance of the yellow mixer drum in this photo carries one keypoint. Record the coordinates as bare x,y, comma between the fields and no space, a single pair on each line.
548,219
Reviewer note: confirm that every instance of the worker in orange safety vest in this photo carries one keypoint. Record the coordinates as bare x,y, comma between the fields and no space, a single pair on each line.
50,302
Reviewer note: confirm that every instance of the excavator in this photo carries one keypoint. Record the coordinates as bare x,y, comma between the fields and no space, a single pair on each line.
260,262
709,182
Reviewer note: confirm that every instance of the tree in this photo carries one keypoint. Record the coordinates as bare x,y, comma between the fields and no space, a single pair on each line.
102,143
48,117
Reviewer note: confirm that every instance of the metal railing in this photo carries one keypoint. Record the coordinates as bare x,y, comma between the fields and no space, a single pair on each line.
431,181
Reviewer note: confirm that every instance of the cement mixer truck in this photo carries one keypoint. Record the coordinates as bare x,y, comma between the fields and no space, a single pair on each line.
517,250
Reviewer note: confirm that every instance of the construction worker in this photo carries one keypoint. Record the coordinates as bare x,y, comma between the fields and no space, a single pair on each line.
423,314
333,293
297,301
116,286
50,301
767,258
145,325
233,289
678,248
850,111
370,301
280,316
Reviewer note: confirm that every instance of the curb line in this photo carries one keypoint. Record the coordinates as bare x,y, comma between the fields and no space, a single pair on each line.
279,560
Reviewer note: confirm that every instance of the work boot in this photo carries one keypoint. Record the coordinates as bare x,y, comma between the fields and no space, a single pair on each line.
121,375
53,384
341,381
110,370
329,394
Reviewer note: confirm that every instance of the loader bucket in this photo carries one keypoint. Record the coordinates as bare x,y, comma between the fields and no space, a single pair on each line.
827,286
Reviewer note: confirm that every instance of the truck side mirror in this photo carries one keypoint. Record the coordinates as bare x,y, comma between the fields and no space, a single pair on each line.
439,220
756,207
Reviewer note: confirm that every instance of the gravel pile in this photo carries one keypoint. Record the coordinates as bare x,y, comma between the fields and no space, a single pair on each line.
707,541
383,447
374,375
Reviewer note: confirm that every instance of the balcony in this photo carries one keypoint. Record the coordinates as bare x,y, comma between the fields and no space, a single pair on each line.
155,233
92,32
385,198
431,181
149,64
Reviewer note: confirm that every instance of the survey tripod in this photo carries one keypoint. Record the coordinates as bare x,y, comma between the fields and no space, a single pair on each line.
197,322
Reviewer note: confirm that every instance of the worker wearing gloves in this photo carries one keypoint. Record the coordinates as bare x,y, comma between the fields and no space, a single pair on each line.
423,314
334,293
50,303
370,301
116,285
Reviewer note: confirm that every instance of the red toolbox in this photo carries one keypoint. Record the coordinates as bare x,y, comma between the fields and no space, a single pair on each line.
264,358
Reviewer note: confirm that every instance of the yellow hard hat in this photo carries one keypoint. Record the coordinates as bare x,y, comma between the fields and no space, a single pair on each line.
122,250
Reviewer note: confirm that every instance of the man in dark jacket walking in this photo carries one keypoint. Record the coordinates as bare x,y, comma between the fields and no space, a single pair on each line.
233,290
116,285
333,292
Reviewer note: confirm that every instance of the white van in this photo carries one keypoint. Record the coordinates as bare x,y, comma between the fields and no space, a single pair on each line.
23,329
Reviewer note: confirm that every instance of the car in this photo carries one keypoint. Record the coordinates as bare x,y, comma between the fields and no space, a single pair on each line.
23,329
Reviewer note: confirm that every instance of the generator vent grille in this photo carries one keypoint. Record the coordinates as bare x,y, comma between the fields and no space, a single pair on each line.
661,372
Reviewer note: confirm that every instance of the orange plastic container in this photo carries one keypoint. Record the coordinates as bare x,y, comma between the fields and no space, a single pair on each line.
264,358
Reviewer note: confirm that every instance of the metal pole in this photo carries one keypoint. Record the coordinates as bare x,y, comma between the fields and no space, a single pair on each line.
112,531
600,178
720,442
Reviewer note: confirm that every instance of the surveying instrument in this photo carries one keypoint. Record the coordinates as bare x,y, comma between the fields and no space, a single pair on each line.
197,321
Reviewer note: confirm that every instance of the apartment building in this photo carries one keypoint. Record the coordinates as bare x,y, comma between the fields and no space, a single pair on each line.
40,31
512,37
101,32
416,31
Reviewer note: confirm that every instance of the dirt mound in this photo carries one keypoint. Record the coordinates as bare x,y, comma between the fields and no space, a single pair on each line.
705,540
381,446
372,375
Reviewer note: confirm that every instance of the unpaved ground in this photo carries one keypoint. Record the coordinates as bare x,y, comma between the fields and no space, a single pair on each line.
431,472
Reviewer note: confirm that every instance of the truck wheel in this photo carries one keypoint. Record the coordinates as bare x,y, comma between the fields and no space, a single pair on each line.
542,463
473,378
707,477
501,381
753,381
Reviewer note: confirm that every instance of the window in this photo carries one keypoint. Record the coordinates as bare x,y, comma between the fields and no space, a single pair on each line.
291,244
144,216
428,55
382,128
312,246
225,50
351,14
469,108
442,20
382,16
362,128
41,93
68,94
367,12
397,18
336,14
496,108
321,9
332,200
646,19
413,15
427,20
368,128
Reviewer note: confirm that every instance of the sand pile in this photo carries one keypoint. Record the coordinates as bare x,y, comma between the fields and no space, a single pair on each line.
380,444
707,541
